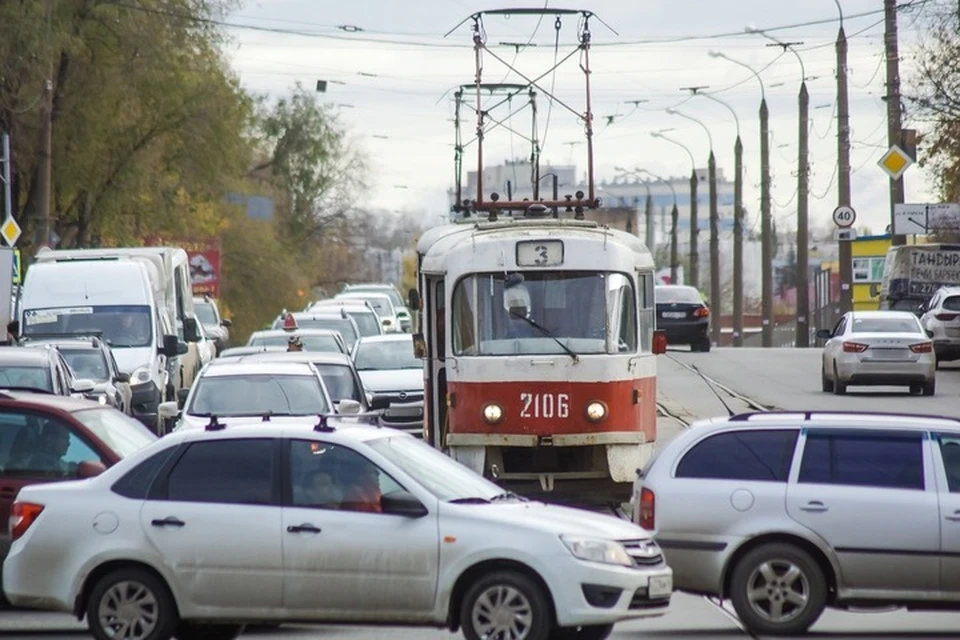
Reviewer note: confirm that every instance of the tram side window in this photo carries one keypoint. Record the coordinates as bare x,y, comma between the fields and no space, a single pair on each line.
623,305
647,311
465,318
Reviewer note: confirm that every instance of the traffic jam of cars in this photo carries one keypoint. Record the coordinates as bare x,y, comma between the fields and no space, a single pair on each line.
136,434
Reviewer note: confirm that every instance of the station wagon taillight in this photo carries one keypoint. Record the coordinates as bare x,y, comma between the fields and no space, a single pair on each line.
855,347
22,515
922,347
648,508
946,317
701,312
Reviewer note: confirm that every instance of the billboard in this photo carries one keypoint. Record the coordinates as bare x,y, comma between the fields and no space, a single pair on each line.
204,268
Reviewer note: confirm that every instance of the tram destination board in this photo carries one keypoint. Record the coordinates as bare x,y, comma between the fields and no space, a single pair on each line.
540,253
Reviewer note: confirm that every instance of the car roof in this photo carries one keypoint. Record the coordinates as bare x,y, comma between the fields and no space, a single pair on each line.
356,304
64,403
237,368
360,295
388,337
829,420
73,343
337,430
323,357
371,285
20,355
675,286
311,331
246,350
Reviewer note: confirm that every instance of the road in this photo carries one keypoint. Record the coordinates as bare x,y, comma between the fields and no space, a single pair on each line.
782,378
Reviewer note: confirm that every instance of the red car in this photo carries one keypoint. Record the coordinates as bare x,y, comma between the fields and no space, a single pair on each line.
45,438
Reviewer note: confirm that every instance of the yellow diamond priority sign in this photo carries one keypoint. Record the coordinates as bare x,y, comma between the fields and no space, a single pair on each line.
895,161
10,231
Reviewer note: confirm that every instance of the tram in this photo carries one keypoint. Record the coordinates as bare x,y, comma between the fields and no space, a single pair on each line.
539,341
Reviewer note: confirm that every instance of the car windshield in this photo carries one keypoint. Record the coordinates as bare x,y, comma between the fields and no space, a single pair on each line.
206,314
258,394
124,435
379,355
380,304
677,294
86,363
437,473
344,325
340,382
121,326
886,325
26,377
367,322
395,298
310,343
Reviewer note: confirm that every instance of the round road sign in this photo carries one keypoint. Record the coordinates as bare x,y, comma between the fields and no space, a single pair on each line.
844,216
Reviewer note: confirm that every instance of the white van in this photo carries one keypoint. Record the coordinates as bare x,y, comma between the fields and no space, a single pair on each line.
172,288
113,298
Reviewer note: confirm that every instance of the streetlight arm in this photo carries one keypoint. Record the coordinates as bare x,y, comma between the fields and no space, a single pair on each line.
660,179
692,119
763,91
693,162
729,108
840,10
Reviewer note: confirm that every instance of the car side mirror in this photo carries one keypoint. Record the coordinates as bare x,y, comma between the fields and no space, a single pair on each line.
348,407
402,503
419,346
122,378
378,403
191,332
413,300
226,322
659,342
83,385
168,410
824,334
90,468
170,346
182,347
182,397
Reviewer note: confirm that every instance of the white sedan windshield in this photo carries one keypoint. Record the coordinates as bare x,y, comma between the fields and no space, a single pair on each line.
258,394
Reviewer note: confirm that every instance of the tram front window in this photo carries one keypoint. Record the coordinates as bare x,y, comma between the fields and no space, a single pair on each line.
537,312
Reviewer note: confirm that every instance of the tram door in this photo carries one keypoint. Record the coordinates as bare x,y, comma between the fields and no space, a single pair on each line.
436,384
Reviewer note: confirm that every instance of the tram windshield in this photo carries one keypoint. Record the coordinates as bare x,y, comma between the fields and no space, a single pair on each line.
544,312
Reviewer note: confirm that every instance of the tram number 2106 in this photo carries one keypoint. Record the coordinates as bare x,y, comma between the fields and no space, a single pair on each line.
544,405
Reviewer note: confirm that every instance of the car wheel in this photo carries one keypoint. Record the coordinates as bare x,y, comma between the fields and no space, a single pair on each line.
194,631
825,383
132,604
929,387
705,345
694,346
839,387
591,632
778,589
506,604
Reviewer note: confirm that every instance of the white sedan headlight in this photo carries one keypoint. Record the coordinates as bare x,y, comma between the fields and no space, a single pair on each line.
597,550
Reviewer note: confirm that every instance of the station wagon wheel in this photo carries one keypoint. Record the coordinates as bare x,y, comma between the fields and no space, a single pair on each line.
506,605
131,604
778,589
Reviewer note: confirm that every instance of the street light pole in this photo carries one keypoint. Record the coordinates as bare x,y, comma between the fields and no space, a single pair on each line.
694,231
766,230
674,218
845,255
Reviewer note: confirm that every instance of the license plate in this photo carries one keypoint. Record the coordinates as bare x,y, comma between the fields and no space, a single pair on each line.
890,354
674,314
659,586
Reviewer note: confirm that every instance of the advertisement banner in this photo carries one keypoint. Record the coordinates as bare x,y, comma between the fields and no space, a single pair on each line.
204,259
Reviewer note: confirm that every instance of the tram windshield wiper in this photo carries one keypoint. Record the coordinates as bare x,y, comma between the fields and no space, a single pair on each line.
539,327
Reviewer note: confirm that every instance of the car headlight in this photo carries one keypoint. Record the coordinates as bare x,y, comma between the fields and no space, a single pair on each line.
597,550
140,376
102,399
492,413
596,411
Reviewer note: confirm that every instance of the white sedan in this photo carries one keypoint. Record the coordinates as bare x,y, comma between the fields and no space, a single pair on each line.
878,348
208,530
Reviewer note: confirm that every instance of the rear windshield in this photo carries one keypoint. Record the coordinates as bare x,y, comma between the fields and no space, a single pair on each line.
677,294
123,434
258,394
885,325
952,303
310,343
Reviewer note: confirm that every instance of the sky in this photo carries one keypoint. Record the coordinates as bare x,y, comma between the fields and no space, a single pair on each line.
392,75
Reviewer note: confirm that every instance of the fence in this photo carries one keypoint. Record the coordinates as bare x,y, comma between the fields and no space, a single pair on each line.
823,315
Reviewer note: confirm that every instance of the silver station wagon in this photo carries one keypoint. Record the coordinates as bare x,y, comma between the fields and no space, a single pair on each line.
785,514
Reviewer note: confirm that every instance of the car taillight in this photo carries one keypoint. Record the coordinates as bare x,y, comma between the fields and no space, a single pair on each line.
946,316
701,312
22,515
855,347
648,508
922,347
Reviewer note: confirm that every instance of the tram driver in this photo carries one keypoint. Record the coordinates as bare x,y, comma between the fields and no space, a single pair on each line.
516,300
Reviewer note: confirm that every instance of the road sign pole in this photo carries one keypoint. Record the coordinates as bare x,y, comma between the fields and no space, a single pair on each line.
844,216
7,192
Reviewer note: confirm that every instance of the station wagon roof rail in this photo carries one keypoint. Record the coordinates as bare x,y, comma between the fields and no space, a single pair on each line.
810,415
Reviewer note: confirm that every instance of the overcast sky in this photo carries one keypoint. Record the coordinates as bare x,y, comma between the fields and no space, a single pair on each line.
398,74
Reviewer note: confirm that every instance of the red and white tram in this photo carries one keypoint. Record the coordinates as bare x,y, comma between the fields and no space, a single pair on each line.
538,339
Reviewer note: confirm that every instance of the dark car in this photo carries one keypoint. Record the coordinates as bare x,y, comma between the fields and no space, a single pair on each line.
43,370
45,438
91,358
683,316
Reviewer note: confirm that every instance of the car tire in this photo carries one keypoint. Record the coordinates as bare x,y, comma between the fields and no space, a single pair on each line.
705,345
194,631
839,387
591,632
157,610
929,387
825,383
511,590
761,572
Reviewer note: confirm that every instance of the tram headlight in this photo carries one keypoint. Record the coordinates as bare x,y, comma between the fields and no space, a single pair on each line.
492,413
596,411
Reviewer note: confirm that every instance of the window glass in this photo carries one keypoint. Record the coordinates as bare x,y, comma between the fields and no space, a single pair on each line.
951,303
258,394
206,313
741,455
385,355
87,363
329,476
136,482
37,446
340,381
677,293
224,471
121,325
367,322
950,451
622,310
121,433
869,459
345,326
26,378
324,343
897,324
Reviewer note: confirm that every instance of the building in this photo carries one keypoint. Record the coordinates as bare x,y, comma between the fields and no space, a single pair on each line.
869,253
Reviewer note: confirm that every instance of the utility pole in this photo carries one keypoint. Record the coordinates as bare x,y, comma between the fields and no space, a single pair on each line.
894,114
738,241
803,234
45,172
694,232
715,302
843,170
648,228
5,175
674,259
766,230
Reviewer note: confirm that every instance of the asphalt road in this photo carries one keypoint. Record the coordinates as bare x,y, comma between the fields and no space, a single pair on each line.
784,378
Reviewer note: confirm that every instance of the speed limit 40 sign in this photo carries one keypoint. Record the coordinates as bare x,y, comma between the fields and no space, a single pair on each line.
844,216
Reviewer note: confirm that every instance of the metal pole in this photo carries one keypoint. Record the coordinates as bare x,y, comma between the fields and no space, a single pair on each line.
694,231
738,243
7,187
45,173
803,242
648,223
766,231
715,302
843,172
894,115
674,265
